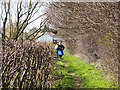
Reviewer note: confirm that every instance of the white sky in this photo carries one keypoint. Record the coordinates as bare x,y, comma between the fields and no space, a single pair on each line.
13,10
37,22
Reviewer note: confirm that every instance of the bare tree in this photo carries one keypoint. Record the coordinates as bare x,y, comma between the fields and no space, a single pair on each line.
19,15
5,10
89,29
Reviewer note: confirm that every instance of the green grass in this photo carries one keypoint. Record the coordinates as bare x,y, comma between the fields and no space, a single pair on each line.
90,77
64,80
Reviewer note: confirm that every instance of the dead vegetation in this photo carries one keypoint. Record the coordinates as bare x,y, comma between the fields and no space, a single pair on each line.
27,65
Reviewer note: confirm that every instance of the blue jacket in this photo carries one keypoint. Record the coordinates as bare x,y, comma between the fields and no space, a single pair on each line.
60,52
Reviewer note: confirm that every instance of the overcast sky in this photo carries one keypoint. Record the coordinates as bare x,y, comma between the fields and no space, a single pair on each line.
37,22
14,9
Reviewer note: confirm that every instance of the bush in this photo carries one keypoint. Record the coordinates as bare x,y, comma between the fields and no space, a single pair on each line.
27,64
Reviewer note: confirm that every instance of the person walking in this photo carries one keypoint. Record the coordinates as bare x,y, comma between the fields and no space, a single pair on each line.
60,50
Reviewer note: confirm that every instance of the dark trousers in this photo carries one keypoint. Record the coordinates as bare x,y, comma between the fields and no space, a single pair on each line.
60,56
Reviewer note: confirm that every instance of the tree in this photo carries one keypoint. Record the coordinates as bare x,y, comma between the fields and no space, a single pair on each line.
89,28
15,16
19,15
5,10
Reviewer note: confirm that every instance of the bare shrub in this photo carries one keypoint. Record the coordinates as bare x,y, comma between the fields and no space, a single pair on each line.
27,64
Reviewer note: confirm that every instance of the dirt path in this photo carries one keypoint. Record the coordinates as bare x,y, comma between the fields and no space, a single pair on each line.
77,83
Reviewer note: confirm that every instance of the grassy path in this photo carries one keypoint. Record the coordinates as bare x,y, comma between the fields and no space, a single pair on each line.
71,72
77,82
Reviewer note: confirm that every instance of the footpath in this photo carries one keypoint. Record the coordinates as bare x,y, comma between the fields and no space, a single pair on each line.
71,72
